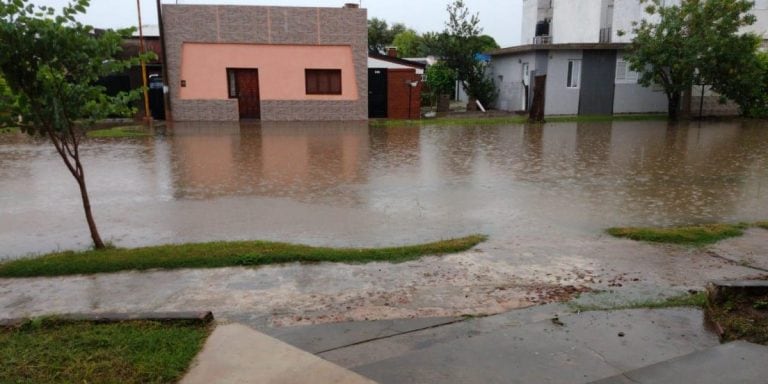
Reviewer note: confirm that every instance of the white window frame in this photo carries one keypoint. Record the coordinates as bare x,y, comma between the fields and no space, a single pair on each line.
573,74
624,74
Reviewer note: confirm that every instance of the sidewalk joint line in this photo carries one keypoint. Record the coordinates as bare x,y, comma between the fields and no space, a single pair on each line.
389,336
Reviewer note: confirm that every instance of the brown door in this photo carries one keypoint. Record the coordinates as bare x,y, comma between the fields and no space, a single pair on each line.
248,93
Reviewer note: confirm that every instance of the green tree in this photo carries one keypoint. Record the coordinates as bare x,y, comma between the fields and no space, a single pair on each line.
458,46
409,44
51,64
7,100
697,41
381,35
440,79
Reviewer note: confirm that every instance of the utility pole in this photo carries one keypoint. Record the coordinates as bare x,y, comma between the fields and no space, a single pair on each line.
164,59
142,51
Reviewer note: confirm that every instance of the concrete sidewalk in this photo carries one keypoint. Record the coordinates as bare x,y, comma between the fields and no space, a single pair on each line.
238,354
535,345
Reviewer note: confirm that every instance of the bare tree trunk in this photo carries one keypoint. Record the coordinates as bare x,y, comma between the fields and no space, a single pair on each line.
68,149
97,242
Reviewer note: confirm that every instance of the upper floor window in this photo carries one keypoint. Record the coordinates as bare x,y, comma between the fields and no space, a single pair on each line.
574,74
323,81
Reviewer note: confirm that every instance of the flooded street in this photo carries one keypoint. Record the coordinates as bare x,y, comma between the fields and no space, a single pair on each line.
544,194
348,184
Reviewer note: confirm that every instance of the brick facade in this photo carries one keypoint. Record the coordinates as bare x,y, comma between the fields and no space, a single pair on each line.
266,25
397,94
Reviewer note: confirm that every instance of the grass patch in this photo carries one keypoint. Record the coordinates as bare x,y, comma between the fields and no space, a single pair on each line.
9,130
118,132
698,299
762,224
742,318
688,235
218,254
51,351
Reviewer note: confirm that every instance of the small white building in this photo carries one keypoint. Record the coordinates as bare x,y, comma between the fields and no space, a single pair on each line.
579,46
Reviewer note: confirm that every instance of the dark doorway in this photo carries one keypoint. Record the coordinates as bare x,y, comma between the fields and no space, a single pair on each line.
377,92
539,98
244,85
598,73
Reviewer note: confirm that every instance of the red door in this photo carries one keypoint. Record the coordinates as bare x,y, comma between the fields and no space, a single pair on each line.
248,93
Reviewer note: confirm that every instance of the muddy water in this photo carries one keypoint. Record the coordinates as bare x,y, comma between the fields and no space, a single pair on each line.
351,184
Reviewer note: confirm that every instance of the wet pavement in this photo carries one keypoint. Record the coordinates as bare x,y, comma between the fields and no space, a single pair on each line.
543,194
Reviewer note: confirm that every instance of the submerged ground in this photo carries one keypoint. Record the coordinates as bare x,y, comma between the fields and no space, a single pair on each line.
544,194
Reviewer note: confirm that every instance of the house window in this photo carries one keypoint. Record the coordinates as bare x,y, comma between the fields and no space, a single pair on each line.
574,73
231,83
323,81
624,74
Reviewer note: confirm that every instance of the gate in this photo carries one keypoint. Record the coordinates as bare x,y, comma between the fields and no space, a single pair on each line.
377,92
598,74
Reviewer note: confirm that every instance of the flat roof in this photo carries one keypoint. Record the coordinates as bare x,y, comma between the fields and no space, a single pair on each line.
556,47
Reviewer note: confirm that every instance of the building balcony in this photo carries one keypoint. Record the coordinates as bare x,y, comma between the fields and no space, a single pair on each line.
542,40
605,35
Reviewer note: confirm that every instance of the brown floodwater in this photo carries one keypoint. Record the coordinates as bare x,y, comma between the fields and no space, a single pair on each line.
348,184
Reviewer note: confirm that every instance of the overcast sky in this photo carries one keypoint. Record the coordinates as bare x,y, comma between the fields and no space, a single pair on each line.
499,18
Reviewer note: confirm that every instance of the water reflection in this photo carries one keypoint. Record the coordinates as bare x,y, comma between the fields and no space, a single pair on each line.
585,175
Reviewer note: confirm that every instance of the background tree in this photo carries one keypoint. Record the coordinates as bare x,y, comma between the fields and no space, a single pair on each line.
7,100
458,45
697,41
440,80
409,44
381,35
51,64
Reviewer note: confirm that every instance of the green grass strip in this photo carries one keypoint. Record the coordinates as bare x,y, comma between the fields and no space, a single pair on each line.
46,351
688,235
698,299
762,224
218,254
9,131
118,132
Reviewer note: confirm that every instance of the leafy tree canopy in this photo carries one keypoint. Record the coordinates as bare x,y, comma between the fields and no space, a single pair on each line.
696,42
381,35
51,63
457,46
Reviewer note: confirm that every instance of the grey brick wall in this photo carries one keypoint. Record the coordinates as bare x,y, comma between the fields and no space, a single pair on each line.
267,25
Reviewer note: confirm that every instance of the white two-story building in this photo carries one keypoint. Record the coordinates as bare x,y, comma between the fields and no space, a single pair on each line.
579,46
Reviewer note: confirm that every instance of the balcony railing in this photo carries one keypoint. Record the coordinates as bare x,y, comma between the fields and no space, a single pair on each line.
540,40
605,35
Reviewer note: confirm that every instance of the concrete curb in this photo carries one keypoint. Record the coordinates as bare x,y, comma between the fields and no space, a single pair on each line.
204,317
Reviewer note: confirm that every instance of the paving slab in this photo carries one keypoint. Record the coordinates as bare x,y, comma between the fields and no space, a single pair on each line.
747,250
326,337
737,362
578,348
235,353
400,344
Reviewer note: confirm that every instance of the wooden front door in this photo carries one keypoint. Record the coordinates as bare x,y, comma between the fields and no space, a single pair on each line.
248,99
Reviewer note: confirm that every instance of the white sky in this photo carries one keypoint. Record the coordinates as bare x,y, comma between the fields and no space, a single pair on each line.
499,18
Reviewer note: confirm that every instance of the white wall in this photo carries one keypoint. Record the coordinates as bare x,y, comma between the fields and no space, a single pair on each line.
507,75
576,21
624,13
530,12
561,100
760,27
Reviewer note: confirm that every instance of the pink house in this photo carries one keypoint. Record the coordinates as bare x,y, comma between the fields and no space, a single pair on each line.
271,63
